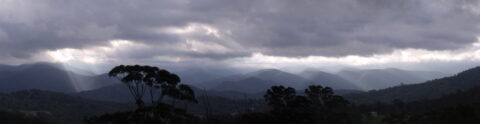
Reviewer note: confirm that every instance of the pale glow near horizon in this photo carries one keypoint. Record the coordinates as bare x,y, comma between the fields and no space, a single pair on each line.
108,53
93,55
470,53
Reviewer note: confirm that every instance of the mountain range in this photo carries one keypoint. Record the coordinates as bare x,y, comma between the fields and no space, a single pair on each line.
383,78
54,77
48,76
346,79
426,90
254,84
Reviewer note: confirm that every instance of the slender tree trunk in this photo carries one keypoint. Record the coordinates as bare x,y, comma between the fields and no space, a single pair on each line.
236,106
186,106
151,94
207,105
160,99
174,100
247,103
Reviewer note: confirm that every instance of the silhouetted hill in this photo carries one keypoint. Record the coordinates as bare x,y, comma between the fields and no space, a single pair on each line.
462,107
248,85
120,93
99,81
279,77
260,80
6,68
384,78
255,81
459,97
220,102
39,76
429,75
427,90
347,79
195,76
48,76
57,107
115,93
327,79
216,82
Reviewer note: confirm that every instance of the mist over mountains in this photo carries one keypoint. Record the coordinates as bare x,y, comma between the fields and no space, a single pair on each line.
383,78
48,76
426,90
346,79
383,84
55,77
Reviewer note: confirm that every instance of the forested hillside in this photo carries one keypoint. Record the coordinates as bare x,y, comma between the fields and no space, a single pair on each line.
427,90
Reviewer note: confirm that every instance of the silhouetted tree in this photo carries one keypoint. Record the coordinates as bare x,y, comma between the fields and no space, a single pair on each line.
320,105
324,97
167,82
327,107
140,78
187,93
134,77
279,96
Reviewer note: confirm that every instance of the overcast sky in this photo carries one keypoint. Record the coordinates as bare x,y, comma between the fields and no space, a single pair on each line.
437,35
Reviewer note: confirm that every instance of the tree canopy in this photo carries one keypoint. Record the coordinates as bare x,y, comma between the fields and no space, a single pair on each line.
143,78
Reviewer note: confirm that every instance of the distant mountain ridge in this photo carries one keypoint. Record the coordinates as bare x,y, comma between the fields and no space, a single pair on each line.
247,85
383,78
279,77
120,93
427,90
54,77
408,92
38,76
351,79
48,76
255,81
328,79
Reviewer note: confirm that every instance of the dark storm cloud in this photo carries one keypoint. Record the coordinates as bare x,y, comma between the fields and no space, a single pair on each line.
275,27
345,27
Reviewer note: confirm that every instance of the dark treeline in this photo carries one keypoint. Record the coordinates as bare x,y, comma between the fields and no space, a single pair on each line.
428,90
12,117
462,107
36,106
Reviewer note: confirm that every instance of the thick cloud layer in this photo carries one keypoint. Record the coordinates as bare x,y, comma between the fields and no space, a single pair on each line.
226,29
